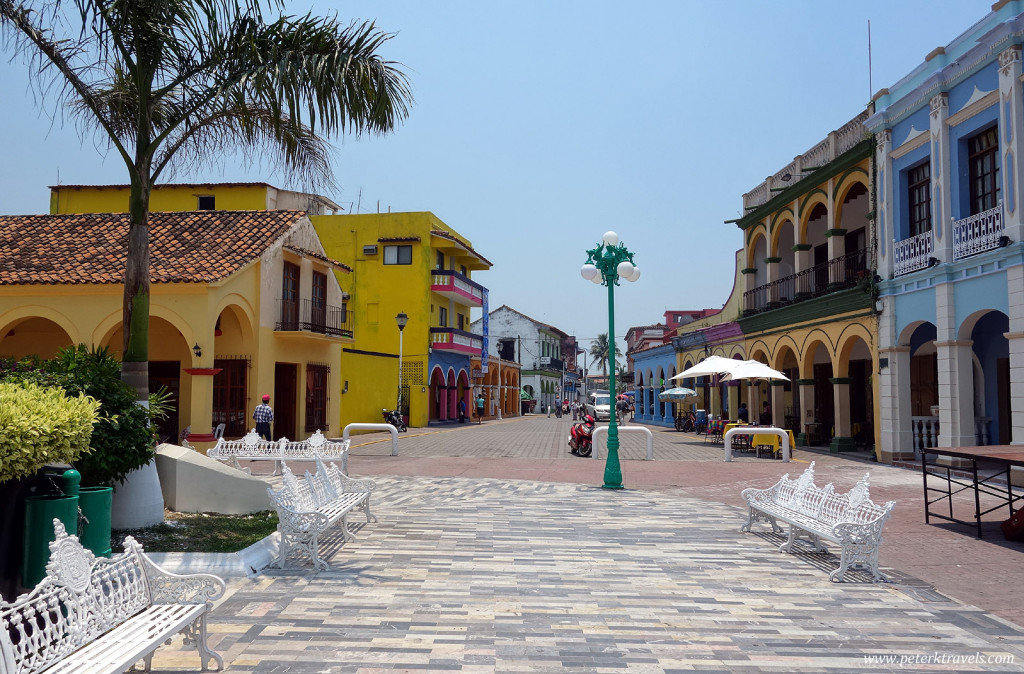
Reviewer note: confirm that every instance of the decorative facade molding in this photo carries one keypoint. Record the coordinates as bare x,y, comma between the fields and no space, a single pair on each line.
1008,58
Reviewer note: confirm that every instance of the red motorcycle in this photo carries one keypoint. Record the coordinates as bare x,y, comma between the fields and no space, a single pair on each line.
581,441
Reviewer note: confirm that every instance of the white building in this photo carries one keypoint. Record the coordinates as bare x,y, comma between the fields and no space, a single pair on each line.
538,348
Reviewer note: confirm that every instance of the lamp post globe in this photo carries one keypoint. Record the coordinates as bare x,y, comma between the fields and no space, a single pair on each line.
606,265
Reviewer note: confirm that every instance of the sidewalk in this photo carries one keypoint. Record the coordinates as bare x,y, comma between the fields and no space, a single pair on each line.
496,551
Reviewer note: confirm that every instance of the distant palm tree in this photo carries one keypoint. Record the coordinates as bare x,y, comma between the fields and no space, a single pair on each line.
599,352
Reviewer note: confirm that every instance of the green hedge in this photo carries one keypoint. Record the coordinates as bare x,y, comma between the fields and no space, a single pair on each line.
41,425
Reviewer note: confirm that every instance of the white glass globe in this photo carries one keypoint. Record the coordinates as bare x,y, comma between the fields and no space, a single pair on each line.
635,275
597,279
625,269
588,271
610,239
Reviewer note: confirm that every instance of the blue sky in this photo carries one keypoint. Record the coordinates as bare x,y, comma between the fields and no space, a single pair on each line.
540,125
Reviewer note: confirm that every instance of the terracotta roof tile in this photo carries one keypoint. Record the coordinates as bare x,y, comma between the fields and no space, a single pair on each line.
186,247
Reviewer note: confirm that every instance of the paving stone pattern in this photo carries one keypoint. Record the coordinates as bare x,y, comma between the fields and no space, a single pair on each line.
481,575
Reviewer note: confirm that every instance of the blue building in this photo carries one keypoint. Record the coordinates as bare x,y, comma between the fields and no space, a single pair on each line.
950,159
653,369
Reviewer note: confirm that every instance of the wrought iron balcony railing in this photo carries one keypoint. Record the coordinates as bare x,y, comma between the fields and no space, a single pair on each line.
839,273
322,319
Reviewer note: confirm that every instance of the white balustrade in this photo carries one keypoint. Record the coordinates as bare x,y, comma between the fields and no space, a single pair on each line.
978,233
925,431
912,253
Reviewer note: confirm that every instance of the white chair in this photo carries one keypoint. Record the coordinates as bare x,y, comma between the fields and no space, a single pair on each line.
218,432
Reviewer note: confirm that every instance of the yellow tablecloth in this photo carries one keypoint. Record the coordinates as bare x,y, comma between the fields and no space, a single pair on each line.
772,440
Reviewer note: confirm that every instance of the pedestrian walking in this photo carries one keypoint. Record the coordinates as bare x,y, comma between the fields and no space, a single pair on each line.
462,411
263,415
480,409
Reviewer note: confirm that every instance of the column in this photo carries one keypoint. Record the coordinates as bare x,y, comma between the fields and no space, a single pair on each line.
1011,124
956,393
806,410
734,398
842,441
201,413
894,403
885,220
771,265
778,402
1015,339
942,205
836,250
802,262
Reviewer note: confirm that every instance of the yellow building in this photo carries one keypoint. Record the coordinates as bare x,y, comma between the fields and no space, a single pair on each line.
243,303
808,304
188,197
411,264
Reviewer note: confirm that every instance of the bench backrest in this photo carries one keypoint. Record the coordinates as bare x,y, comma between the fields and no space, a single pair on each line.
251,444
80,598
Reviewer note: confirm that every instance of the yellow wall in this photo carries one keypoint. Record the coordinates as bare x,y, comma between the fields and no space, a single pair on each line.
45,317
114,199
379,292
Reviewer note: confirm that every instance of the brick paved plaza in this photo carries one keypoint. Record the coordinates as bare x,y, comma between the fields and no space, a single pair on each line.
497,551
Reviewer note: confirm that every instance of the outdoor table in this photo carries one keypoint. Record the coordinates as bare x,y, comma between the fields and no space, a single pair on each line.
738,424
716,428
771,440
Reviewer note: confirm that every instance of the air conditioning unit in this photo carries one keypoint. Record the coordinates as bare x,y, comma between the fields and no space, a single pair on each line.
369,250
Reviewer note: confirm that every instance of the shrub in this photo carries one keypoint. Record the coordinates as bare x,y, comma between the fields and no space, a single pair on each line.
123,438
41,425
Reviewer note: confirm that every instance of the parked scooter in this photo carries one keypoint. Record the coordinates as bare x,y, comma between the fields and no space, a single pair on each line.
395,419
581,441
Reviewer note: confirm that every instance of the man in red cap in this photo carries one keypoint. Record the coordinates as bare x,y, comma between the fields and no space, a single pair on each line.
263,415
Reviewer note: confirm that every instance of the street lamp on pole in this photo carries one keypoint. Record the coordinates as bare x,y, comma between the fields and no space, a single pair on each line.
401,319
605,265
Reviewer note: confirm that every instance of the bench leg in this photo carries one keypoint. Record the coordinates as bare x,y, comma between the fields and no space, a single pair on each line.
858,556
195,635
347,535
370,517
754,515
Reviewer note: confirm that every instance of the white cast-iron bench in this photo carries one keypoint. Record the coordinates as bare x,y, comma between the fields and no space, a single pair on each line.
103,615
850,520
307,507
254,448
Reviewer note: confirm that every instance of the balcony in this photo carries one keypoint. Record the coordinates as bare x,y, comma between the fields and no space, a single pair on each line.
321,319
458,341
912,254
455,286
971,235
840,273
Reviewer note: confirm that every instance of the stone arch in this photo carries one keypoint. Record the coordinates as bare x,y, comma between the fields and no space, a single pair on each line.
25,332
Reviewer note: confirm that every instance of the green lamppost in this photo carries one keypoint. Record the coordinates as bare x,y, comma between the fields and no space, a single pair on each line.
606,264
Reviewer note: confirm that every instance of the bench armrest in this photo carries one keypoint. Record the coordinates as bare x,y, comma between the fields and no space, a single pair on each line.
172,588
755,495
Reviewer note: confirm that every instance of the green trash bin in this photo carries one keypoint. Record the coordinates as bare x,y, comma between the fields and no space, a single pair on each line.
95,503
40,511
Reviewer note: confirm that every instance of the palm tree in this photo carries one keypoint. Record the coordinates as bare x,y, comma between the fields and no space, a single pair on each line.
169,84
599,352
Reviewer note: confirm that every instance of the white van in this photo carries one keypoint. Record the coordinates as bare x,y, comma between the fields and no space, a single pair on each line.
599,405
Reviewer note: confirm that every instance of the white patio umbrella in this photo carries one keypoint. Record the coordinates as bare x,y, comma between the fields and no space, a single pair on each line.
709,366
676,394
752,369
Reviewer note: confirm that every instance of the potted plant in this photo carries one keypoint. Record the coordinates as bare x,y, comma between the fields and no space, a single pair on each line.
41,425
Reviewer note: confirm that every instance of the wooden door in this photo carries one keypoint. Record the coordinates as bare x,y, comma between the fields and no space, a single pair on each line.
286,379
167,373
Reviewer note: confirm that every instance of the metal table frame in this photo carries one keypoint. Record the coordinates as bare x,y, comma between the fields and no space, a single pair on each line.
1005,457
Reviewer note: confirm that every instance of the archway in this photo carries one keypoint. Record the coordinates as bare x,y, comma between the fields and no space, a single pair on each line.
33,335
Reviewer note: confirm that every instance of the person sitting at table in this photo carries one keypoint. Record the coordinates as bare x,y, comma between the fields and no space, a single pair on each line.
742,413
766,414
